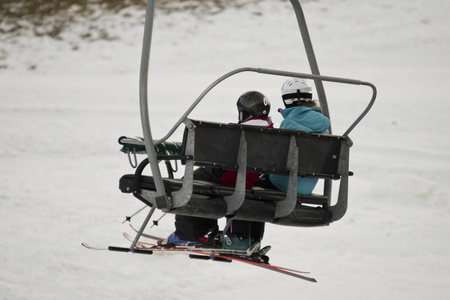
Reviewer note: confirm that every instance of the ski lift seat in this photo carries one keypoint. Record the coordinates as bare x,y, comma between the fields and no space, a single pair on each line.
245,148
210,189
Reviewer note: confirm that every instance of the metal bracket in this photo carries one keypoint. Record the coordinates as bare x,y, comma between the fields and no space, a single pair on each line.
182,197
286,206
235,201
141,230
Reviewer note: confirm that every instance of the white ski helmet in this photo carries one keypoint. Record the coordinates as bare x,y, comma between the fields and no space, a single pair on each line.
294,90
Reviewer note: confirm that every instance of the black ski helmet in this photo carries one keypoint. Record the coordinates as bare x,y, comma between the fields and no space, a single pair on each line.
252,104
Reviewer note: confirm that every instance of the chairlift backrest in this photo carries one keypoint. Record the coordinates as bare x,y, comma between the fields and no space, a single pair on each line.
218,145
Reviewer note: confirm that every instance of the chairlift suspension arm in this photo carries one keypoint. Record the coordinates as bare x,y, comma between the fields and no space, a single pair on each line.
311,56
143,98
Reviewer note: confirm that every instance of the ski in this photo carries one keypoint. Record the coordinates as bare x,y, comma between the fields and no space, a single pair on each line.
219,254
282,270
193,247
117,249
160,242
204,252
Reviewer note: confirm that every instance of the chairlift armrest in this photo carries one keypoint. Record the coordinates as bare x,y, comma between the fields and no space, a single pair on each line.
132,144
137,145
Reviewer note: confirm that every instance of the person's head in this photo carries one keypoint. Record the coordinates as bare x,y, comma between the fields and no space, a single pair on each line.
252,104
297,92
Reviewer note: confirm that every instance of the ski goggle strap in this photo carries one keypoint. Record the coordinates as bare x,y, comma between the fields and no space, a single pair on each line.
289,98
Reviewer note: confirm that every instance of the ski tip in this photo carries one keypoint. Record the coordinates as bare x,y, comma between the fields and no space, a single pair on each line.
86,245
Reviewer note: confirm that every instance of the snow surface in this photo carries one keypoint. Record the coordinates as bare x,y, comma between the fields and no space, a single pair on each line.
64,104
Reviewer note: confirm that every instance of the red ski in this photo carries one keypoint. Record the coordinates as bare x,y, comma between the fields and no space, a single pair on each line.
215,254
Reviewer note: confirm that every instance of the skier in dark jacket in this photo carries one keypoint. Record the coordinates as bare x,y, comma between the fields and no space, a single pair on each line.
253,108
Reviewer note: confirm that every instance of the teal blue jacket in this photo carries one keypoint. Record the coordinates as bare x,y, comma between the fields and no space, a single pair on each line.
305,119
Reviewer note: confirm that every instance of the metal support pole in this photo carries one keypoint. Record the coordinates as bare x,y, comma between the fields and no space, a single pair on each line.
314,70
311,56
143,97
141,230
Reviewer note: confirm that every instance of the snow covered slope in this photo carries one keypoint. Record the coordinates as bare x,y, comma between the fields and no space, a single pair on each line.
63,104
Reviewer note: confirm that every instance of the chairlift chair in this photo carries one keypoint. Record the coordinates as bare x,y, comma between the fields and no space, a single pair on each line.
241,148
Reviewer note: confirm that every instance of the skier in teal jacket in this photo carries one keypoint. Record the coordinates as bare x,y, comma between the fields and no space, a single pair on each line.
303,114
